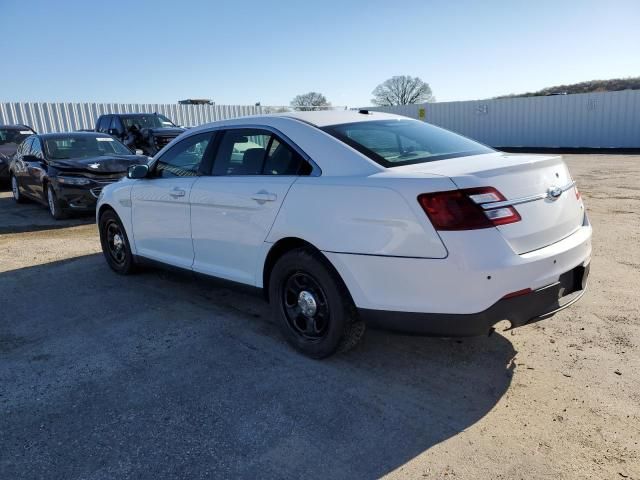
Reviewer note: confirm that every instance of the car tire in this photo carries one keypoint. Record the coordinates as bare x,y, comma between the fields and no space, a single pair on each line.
54,205
15,190
115,243
312,305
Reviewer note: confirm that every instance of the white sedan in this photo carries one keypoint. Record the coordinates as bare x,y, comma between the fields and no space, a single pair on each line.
352,218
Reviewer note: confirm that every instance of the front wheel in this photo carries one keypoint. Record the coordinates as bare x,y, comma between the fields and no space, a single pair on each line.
115,244
15,190
55,206
312,305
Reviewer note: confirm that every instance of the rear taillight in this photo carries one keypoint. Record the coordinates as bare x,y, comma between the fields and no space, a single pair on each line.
463,209
578,196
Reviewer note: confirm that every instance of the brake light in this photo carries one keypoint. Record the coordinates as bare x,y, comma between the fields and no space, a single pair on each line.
578,196
462,209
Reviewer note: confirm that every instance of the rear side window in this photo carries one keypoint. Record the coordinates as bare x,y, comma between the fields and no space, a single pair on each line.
393,143
36,148
257,152
103,124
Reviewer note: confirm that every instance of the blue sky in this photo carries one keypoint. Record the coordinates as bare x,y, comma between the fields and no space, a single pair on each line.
248,51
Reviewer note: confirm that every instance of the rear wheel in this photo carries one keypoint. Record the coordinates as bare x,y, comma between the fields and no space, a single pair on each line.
15,189
115,244
55,207
312,305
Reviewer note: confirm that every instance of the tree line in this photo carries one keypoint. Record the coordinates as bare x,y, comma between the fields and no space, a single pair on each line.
398,90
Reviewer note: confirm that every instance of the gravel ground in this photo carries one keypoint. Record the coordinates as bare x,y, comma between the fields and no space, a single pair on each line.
159,375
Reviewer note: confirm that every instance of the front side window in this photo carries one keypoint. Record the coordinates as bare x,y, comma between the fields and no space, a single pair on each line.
257,152
83,146
392,143
184,158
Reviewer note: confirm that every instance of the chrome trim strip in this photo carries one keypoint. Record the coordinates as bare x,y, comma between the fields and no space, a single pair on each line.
518,201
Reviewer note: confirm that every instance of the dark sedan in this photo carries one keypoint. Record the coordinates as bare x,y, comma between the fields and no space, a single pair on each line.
10,137
67,171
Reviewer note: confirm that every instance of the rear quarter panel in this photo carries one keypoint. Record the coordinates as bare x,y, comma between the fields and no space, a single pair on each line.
362,215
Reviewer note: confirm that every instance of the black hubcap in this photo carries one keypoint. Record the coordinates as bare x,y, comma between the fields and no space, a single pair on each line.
115,242
305,306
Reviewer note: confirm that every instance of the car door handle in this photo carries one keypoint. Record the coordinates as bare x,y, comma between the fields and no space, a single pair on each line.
177,192
262,197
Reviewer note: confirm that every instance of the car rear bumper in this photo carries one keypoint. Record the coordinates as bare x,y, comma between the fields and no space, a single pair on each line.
521,310
468,287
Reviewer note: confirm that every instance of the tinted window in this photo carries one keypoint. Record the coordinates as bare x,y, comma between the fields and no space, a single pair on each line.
103,124
257,152
36,148
25,147
146,121
402,142
116,124
183,159
83,146
13,135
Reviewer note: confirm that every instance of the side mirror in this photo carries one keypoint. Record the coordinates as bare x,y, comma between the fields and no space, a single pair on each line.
31,159
137,171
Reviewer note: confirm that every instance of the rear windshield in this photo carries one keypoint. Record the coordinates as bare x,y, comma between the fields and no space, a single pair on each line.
147,121
392,143
85,146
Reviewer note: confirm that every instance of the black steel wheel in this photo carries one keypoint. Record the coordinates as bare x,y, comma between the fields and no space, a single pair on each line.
312,305
115,244
306,307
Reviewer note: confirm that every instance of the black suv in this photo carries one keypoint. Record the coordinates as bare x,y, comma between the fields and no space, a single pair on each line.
148,132
10,137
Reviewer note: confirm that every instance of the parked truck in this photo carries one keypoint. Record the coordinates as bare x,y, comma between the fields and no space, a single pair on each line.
148,132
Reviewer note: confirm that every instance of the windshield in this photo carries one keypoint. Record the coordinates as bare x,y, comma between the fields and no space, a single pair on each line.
147,121
13,135
392,143
64,148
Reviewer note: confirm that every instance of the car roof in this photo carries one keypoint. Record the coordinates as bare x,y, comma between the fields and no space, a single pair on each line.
134,114
16,126
325,118
59,135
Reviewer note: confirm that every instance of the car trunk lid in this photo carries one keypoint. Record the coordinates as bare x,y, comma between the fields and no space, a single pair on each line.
539,187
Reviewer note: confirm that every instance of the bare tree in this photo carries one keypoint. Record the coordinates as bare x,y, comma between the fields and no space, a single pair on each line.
310,101
402,90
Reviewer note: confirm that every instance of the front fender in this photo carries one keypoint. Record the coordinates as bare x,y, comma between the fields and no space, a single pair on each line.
117,196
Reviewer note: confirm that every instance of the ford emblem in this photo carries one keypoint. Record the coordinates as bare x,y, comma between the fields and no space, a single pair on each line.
553,193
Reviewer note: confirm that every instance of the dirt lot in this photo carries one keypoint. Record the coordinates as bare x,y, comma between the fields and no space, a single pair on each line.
158,375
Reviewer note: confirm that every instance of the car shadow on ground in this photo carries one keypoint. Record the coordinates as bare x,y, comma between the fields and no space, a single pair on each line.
32,217
162,375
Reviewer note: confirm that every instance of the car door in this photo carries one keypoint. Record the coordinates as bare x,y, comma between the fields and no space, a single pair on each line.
20,166
36,170
160,203
233,210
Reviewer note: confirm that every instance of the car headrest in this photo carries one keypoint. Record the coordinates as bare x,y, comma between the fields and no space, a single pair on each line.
252,161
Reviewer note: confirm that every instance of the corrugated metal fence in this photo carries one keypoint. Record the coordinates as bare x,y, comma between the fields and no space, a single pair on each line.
66,117
586,120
